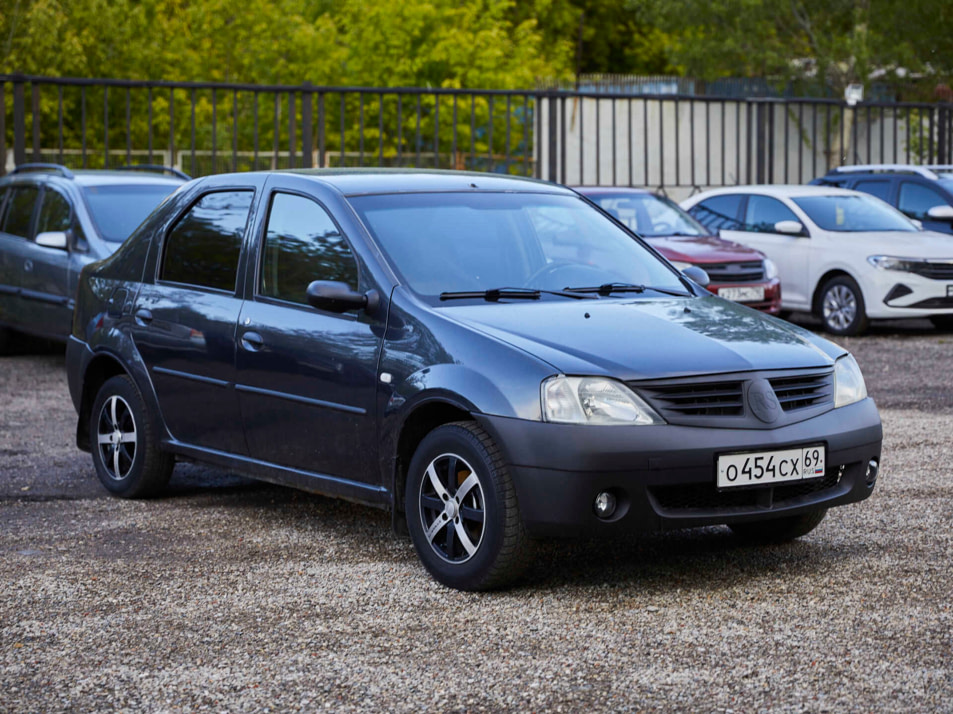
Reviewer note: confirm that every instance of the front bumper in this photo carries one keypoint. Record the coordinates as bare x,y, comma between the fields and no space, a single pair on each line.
900,294
664,476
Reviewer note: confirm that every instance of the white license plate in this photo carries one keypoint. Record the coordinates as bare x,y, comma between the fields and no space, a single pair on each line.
752,294
763,468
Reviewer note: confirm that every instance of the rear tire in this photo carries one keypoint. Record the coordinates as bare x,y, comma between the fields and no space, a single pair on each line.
6,340
779,530
124,443
462,511
841,307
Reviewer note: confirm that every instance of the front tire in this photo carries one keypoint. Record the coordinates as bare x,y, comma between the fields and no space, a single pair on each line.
942,322
123,441
462,510
841,307
779,530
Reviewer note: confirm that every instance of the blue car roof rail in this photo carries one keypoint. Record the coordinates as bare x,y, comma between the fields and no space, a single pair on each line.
57,168
924,171
156,168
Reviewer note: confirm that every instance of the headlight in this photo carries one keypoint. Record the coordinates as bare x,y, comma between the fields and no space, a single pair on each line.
770,269
680,265
887,262
594,400
849,384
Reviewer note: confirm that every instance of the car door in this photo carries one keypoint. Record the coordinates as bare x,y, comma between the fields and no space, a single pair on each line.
46,298
16,230
185,319
916,199
791,253
306,378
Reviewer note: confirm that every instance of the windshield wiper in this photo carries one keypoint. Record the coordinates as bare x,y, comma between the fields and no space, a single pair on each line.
496,294
609,288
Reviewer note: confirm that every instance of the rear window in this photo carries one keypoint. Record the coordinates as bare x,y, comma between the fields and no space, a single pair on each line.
118,210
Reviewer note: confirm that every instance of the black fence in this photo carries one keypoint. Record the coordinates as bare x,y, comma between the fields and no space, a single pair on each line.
679,141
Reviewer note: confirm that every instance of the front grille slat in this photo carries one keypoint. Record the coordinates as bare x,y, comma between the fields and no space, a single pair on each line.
935,271
705,399
746,272
799,392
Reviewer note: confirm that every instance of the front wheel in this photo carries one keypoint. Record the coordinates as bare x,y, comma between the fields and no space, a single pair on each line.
462,510
942,322
841,306
124,442
779,530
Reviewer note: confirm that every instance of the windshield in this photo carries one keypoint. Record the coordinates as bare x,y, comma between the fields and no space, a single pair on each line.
650,216
118,210
853,213
453,242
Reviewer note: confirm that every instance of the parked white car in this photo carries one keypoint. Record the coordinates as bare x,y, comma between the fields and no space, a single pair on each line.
843,255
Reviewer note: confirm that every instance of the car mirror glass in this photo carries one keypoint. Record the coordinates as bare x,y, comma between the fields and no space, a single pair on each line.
52,239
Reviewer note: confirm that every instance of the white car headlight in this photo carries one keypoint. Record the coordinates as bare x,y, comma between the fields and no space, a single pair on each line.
849,386
770,269
681,265
889,262
594,400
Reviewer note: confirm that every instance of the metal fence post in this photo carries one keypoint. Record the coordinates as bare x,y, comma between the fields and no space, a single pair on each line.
942,135
307,139
760,156
19,120
553,169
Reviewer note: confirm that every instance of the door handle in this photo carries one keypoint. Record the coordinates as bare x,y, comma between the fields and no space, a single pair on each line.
28,266
252,341
143,317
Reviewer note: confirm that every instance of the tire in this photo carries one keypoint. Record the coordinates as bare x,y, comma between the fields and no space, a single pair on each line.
123,442
841,307
6,340
942,322
473,541
779,530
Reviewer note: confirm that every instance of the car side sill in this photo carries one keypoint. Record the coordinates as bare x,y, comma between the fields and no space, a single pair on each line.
322,484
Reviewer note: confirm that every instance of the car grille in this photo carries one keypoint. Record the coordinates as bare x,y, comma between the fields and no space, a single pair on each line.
803,391
935,271
747,272
698,399
683,400
689,498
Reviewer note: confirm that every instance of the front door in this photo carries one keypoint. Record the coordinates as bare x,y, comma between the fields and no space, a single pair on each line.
46,293
306,379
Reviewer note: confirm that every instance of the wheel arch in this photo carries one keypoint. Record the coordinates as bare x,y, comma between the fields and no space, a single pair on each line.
102,367
822,281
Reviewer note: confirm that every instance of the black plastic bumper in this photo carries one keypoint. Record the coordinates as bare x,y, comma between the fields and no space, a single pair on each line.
663,477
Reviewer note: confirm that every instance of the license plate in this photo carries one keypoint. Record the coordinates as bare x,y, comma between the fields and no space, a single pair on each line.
749,294
763,468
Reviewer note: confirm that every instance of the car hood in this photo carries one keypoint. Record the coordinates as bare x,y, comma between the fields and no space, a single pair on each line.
702,249
922,244
645,338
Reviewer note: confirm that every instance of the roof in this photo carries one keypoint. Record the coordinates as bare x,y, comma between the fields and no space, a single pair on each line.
612,191
376,180
780,190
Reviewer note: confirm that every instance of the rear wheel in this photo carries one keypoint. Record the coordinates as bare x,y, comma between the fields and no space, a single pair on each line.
841,306
124,444
462,511
779,530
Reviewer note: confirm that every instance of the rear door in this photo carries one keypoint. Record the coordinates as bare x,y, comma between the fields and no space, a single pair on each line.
16,230
306,378
185,319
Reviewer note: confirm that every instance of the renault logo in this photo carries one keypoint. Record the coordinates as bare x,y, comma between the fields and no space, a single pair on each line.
763,402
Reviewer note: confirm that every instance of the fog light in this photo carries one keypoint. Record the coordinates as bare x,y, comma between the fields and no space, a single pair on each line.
604,505
872,469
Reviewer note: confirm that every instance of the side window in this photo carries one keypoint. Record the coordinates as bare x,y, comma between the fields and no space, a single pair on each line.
55,213
202,248
915,199
302,244
4,193
880,189
763,212
19,213
719,212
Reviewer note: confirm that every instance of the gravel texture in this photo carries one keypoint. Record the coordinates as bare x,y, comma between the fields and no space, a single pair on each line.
231,595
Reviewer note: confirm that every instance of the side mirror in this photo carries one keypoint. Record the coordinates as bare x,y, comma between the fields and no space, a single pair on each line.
941,213
789,228
693,272
335,296
52,239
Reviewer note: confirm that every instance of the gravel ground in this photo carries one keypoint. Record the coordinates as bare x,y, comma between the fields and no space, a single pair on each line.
230,595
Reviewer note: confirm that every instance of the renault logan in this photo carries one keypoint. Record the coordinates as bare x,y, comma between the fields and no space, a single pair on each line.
491,359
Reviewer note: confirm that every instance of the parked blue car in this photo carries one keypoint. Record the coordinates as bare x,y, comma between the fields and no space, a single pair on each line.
491,359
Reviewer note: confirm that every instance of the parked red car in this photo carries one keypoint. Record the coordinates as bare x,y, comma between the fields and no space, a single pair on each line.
737,273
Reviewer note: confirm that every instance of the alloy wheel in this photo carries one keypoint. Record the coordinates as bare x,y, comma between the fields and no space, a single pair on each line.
117,439
839,307
452,508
